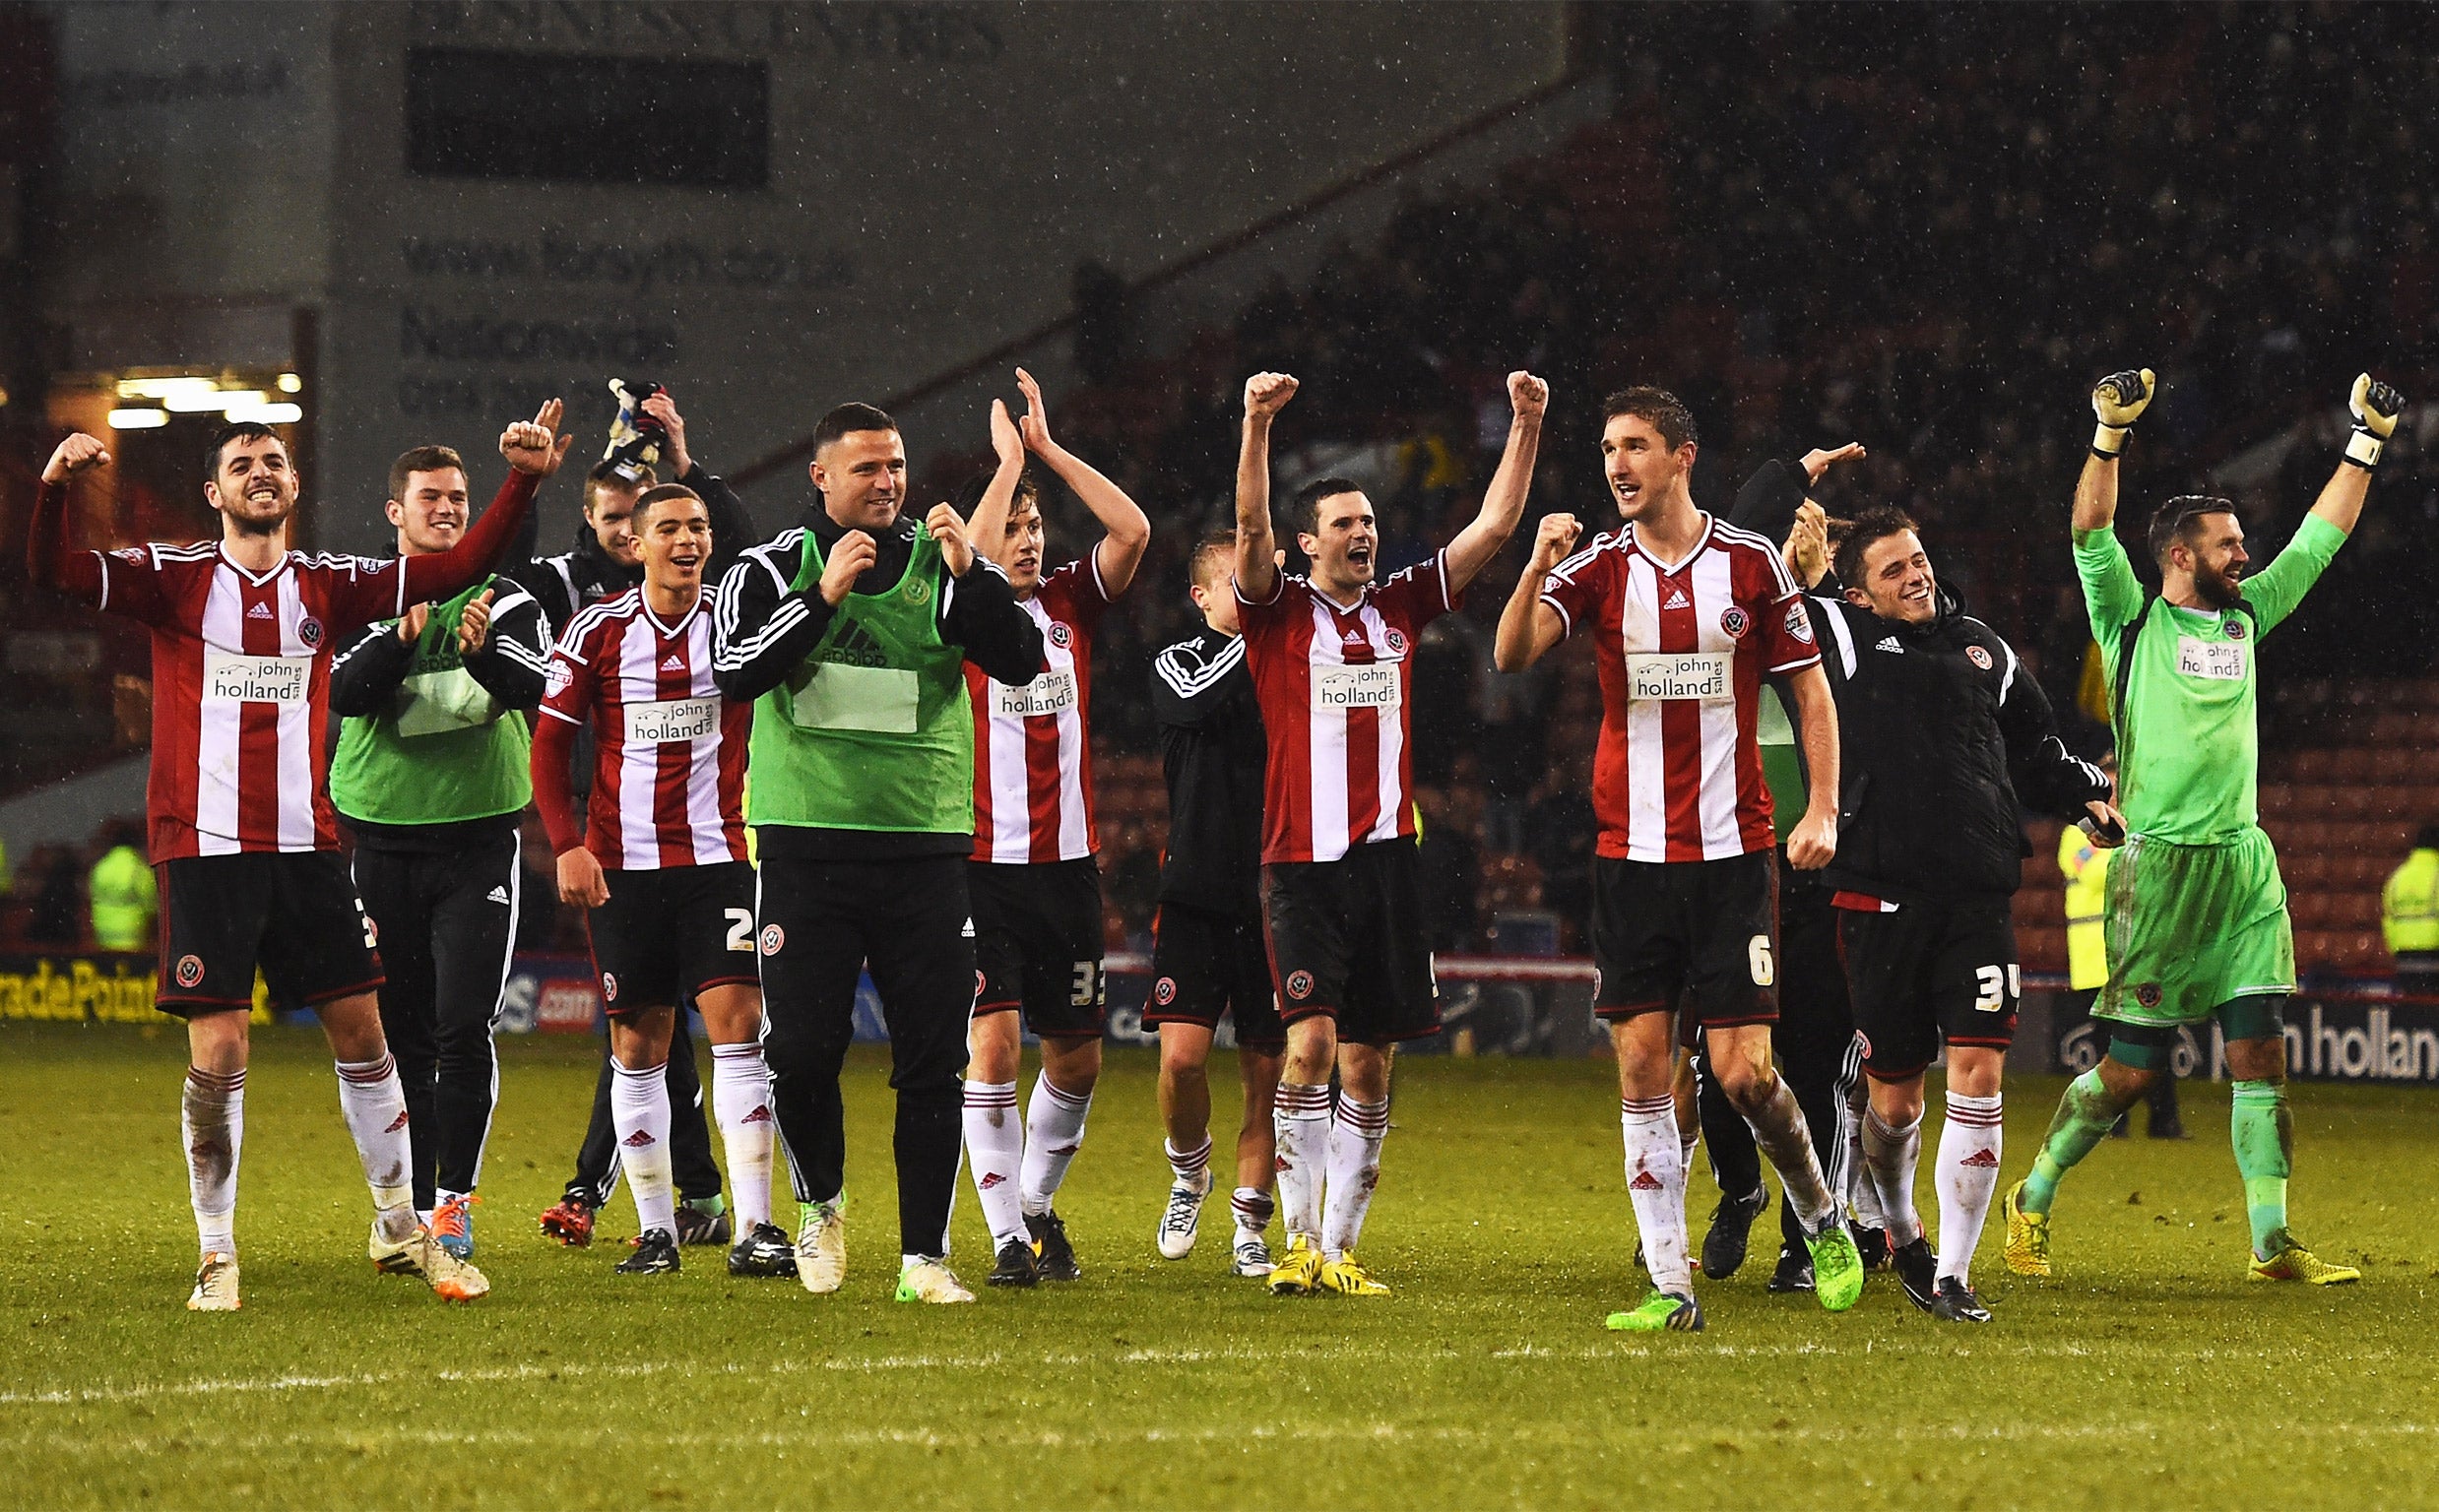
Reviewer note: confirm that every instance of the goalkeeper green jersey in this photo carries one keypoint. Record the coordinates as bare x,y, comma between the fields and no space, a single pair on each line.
2188,748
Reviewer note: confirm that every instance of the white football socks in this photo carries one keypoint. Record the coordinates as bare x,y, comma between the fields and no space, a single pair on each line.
1890,1156
1054,1132
374,1103
1300,1118
1354,1172
1971,1142
995,1143
639,1115
212,1119
1191,1168
1252,1207
741,1099
1655,1182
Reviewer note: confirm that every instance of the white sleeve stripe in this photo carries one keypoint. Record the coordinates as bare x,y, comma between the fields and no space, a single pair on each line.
568,718
1439,560
1278,586
1092,560
1187,681
2007,682
1798,665
105,580
1566,621
1838,631
736,654
503,605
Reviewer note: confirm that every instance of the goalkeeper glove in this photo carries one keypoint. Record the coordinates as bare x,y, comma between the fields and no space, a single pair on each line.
2119,399
2376,406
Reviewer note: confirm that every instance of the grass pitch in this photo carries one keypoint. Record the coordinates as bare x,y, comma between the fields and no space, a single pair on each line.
2149,1372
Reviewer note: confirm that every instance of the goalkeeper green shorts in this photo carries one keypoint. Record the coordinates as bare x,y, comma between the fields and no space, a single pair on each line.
2190,927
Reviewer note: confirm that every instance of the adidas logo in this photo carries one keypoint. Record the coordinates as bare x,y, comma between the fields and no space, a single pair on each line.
497,894
1677,599
673,663
851,644
1064,1148
1986,1158
259,611
397,1123
1644,1181
760,1114
994,1178
1889,643
637,1139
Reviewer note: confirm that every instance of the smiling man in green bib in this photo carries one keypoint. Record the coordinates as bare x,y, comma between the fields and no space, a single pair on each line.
2197,928
852,632
430,777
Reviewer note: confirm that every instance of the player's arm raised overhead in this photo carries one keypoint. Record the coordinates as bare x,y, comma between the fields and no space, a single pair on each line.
989,519
1502,503
1257,571
1126,530
48,561
533,450
1527,626
2277,588
2112,594
2117,402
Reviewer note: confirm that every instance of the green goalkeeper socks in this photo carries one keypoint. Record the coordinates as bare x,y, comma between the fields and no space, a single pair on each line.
2265,1139
2081,1121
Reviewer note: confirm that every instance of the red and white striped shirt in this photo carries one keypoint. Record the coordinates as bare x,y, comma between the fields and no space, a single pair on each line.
1335,691
1033,745
1683,650
241,688
668,751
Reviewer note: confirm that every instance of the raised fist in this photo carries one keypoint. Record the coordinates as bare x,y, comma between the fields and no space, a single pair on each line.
1266,394
1554,539
2376,406
1527,395
2119,399
74,455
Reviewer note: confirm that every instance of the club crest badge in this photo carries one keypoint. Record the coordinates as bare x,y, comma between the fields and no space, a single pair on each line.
1300,986
1734,623
190,971
1978,656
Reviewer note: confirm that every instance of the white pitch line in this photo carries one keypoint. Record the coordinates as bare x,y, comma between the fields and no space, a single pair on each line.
1265,1433
1231,1355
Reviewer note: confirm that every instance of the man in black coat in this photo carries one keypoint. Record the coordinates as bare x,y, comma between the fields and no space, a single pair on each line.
1944,732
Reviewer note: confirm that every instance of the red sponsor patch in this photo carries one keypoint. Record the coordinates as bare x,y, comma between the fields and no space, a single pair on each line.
1799,623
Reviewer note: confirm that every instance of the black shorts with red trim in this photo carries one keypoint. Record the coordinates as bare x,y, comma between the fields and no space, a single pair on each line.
1919,975
673,932
1037,944
293,913
1206,964
1349,938
1700,935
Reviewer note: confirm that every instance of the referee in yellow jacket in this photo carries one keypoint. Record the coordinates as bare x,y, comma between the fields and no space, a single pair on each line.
2410,914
